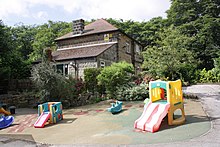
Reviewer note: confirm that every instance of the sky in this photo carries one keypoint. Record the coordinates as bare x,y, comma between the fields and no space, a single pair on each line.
30,12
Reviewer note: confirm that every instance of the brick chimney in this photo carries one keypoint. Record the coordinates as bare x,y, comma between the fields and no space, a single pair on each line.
78,26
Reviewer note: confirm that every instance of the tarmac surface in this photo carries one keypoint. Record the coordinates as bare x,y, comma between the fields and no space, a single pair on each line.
92,125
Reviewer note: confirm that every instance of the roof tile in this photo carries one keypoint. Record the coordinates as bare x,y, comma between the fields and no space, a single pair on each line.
80,52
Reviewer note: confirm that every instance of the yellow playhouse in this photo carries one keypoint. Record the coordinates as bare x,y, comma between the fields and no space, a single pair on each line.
165,98
168,92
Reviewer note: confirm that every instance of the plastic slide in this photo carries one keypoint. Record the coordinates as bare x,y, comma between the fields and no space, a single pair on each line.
41,121
2,110
152,117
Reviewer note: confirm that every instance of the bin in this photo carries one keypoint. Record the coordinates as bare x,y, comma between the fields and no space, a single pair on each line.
12,109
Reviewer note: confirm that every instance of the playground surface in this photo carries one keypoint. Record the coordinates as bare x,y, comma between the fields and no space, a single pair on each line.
93,124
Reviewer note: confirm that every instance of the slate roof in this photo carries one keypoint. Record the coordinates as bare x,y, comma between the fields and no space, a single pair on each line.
80,52
98,26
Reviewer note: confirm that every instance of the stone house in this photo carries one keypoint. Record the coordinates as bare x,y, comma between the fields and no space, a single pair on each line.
95,45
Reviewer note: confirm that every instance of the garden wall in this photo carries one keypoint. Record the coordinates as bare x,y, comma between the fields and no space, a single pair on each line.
20,101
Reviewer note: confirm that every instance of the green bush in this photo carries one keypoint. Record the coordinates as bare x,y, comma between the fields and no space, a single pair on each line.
131,91
71,89
114,76
209,76
48,82
52,86
91,81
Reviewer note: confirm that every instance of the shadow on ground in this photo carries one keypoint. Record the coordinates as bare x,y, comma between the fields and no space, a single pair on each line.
190,119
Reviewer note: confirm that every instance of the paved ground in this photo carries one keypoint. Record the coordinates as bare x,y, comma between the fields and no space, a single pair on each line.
92,125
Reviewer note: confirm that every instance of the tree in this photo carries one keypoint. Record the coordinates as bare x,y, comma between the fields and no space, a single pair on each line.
149,36
23,37
199,20
5,53
46,35
11,63
144,32
171,58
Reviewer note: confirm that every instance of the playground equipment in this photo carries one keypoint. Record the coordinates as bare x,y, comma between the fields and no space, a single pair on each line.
165,97
6,121
2,110
49,112
116,107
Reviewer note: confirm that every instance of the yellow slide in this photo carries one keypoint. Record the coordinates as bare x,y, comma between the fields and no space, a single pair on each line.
2,110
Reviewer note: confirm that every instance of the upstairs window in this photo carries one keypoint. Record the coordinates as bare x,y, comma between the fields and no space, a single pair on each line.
137,49
102,64
128,47
106,37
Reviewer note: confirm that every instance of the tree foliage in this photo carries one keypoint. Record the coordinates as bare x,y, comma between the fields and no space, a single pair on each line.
199,20
21,45
170,58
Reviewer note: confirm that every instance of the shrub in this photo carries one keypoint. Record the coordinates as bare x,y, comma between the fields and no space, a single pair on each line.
91,82
71,90
114,76
210,76
48,82
132,92
52,86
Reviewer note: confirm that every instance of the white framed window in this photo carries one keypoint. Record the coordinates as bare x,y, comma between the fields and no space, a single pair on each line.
102,64
128,47
66,68
62,69
137,48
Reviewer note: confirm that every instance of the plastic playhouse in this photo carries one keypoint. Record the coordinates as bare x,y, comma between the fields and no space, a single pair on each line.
50,112
116,107
165,98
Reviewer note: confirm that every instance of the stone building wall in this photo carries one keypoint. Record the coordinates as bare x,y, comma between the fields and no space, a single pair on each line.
108,57
123,44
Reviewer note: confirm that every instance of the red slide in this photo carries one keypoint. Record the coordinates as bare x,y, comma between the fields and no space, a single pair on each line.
152,117
42,120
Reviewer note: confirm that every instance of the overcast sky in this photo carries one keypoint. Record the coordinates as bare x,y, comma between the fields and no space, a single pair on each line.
32,12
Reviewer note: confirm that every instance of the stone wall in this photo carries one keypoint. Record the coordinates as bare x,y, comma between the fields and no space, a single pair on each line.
19,100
